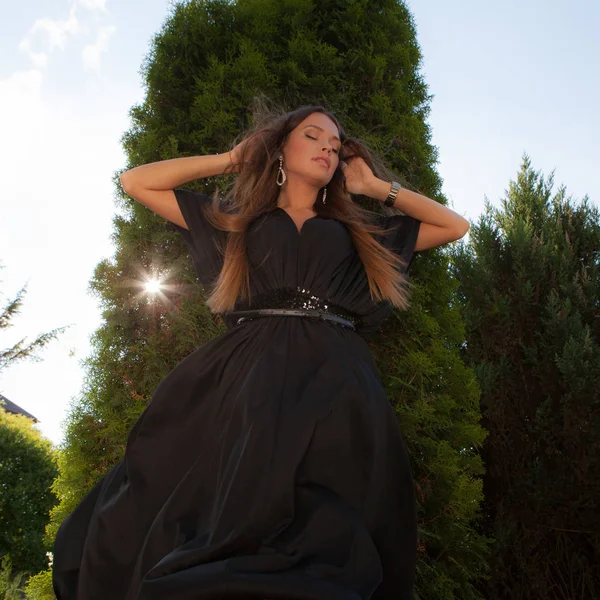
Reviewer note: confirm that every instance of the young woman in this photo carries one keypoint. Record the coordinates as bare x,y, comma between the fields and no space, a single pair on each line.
269,462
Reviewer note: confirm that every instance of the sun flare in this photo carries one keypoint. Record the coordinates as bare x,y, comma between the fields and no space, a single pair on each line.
153,286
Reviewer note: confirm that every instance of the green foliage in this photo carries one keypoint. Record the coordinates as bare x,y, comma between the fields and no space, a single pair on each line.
209,61
10,582
22,351
39,587
28,466
530,290
437,401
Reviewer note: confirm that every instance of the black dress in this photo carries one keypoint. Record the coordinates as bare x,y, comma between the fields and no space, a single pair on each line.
269,462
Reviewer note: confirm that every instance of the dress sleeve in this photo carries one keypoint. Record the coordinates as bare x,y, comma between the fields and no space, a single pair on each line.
201,238
403,239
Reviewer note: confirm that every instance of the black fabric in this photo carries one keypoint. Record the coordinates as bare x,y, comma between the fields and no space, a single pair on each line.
403,240
201,239
269,462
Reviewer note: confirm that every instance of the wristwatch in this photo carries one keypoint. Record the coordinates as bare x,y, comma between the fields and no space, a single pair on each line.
389,201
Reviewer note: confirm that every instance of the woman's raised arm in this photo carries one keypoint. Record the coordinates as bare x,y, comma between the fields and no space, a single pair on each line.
152,184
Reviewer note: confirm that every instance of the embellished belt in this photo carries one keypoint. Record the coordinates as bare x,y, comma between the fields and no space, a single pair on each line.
297,303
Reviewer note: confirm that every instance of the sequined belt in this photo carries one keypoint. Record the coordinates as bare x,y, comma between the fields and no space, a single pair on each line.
296,303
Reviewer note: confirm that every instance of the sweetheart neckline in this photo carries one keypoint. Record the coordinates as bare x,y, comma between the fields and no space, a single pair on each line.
298,231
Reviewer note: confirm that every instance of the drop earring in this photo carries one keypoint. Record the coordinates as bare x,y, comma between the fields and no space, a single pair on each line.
281,172
324,194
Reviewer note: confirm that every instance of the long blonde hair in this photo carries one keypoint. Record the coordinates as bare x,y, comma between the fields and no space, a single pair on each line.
255,191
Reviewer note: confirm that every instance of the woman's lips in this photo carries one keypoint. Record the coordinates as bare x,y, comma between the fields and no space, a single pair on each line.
321,161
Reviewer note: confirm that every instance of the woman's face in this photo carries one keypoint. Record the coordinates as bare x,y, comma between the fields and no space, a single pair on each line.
316,137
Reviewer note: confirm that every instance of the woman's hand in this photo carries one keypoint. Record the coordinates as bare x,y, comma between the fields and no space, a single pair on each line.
235,157
358,175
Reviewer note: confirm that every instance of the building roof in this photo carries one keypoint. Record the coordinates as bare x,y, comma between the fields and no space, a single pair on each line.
11,407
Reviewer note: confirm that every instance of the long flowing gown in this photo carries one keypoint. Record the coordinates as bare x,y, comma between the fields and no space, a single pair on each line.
269,462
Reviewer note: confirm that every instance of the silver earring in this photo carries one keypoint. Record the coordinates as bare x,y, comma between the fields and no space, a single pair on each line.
324,194
281,172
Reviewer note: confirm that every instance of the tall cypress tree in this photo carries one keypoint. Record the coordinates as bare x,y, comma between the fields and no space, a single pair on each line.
208,62
530,285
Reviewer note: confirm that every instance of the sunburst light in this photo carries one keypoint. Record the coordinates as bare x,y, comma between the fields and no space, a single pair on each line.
153,286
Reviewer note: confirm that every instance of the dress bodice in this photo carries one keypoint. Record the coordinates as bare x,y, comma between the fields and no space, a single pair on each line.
320,258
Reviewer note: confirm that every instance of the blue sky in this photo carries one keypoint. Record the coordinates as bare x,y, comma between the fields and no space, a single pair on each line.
507,78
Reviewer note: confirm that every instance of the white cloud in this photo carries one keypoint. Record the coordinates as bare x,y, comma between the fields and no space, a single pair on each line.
52,34
94,5
91,53
20,104
56,32
39,59
61,148
22,118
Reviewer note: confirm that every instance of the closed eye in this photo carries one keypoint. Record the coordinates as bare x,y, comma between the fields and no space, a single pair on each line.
313,138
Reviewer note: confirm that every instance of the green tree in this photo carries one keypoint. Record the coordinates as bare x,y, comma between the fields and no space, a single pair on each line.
209,61
10,582
27,469
530,290
22,350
